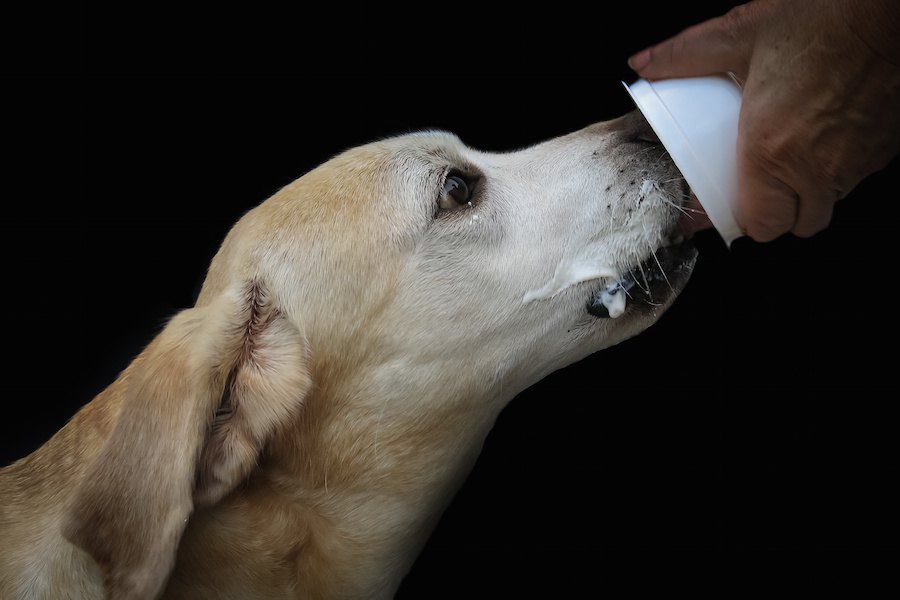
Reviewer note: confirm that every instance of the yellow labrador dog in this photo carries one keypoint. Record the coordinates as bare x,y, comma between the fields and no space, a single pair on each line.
299,431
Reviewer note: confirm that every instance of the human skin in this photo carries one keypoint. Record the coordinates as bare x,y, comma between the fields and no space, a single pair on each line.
821,101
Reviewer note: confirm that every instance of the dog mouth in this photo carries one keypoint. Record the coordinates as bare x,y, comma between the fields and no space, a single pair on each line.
649,284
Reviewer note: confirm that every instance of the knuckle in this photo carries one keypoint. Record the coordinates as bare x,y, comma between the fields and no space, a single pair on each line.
736,27
745,16
765,155
766,150
815,218
812,226
766,225
832,175
807,231
735,19
762,234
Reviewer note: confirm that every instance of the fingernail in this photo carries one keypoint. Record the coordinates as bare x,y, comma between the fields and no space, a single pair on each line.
640,60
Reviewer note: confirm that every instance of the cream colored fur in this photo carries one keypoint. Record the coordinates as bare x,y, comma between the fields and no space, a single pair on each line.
299,431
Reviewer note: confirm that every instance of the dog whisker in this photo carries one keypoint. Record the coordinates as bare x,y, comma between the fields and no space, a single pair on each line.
661,270
644,277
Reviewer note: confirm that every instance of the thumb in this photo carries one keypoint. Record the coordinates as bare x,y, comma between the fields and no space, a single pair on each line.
715,46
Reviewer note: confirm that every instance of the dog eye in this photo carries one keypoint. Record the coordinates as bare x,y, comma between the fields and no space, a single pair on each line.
455,195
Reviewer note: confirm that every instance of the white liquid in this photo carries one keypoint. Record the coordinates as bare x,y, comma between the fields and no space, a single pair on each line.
567,274
614,303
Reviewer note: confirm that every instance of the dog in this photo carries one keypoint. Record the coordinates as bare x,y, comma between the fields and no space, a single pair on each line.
299,431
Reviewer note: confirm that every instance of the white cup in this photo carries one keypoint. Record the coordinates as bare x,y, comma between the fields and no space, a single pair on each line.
696,119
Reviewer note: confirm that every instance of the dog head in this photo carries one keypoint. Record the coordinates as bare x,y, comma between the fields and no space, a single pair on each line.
421,247
414,270
473,262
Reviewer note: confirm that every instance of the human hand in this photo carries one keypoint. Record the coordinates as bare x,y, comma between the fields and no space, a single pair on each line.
821,100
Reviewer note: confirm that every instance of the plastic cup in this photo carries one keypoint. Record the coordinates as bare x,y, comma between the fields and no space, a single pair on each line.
696,119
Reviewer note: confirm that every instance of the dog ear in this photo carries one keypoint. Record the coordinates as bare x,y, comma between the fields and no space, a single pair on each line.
199,405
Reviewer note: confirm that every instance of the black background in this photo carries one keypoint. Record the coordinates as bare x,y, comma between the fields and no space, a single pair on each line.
746,442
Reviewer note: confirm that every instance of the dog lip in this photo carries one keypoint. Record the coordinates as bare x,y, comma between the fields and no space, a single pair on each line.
651,282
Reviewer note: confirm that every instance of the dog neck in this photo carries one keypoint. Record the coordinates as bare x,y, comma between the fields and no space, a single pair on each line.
346,496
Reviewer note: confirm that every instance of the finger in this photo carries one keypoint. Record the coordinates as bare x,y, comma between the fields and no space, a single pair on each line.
715,46
765,211
767,207
813,213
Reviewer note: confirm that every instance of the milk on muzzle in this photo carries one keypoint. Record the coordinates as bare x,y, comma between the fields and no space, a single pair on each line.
696,119
592,262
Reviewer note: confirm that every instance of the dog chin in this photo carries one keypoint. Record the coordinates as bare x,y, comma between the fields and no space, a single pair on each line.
648,287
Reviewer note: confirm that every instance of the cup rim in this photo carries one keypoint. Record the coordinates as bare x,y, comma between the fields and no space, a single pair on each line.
704,185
